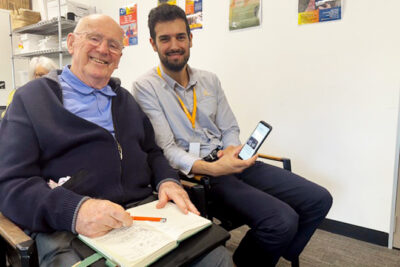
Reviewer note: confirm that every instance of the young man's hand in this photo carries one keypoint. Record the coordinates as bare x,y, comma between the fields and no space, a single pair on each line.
228,163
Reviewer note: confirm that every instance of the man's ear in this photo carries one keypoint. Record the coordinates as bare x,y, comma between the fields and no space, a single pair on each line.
70,43
190,40
153,44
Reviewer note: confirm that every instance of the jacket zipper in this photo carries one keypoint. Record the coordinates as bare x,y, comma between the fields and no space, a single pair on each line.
119,149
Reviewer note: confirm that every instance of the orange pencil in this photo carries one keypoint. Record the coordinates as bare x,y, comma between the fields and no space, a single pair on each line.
151,219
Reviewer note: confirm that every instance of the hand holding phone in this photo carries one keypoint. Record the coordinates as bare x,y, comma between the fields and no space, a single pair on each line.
256,139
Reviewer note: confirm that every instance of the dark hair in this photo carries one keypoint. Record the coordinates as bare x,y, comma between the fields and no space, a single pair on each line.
163,13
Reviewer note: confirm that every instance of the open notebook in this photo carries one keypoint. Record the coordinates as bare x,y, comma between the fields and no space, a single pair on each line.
144,242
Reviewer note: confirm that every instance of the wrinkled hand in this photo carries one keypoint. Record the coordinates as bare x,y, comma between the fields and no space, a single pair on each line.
172,191
97,217
229,161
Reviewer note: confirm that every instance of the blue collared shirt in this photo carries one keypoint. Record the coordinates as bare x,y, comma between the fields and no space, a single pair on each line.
86,102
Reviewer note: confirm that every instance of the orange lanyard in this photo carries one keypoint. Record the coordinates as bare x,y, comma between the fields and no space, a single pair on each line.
191,117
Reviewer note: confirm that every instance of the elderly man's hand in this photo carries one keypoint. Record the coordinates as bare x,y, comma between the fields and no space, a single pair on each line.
97,217
172,191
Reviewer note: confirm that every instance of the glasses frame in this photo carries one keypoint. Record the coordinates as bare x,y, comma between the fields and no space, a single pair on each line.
101,37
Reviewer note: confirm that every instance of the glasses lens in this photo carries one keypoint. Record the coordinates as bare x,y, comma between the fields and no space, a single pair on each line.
96,39
114,46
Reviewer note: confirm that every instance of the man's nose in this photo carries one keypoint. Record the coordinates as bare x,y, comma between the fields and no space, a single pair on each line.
103,47
174,43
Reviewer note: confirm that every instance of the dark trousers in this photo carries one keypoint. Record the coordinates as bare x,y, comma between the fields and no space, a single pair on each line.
282,209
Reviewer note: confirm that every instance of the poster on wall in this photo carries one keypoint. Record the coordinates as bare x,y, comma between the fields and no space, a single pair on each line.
313,11
194,13
128,22
171,2
244,14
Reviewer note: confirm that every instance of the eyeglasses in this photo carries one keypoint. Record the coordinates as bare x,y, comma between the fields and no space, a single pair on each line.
96,39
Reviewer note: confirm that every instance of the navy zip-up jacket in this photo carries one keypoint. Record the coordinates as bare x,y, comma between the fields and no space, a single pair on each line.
41,140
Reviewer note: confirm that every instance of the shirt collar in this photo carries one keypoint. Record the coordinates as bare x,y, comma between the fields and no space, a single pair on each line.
173,84
74,82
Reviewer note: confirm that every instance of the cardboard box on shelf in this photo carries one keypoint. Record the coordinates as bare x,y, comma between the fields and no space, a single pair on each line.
23,17
15,4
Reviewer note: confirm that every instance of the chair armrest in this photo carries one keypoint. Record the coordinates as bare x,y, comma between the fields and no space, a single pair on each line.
187,184
16,238
285,161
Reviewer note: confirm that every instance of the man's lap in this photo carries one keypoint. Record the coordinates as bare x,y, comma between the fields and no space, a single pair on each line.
55,249
296,191
243,203
262,190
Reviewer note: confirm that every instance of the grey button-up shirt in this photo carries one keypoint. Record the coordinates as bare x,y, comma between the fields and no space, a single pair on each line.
215,123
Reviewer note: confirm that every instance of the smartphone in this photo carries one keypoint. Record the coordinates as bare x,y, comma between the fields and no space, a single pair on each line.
255,140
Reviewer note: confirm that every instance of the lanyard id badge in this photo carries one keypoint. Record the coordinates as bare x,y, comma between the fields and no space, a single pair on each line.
194,149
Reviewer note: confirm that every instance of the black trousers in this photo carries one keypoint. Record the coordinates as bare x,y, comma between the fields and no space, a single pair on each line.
282,209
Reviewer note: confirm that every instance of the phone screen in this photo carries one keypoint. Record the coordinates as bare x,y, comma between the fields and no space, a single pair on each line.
255,141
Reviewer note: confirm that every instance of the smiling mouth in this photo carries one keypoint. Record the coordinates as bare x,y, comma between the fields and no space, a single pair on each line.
97,60
175,53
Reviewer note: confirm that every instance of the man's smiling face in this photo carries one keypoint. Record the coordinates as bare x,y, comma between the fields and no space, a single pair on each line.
94,64
172,44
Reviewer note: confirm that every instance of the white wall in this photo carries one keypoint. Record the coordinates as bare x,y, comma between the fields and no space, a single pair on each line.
330,90
5,56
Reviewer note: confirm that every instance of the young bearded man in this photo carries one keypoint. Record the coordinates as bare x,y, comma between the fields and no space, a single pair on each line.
191,118
81,125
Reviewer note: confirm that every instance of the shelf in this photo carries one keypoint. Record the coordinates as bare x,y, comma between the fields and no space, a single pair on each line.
48,27
48,52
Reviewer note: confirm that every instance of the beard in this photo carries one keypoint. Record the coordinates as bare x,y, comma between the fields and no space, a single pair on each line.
174,65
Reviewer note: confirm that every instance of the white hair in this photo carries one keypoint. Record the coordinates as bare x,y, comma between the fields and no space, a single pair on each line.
45,62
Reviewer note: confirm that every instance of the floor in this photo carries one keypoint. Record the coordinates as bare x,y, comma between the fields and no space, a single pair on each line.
327,249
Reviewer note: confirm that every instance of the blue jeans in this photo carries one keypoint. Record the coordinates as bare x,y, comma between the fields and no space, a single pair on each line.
282,209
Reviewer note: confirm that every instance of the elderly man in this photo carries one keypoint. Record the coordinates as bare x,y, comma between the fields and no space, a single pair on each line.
80,131
191,118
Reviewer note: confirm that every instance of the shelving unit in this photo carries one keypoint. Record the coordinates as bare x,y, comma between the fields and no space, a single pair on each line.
48,52
48,27
57,26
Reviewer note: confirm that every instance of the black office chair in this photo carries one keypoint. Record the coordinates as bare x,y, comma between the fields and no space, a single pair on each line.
225,219
18,249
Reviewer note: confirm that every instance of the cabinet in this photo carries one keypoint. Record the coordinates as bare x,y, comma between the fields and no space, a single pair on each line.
58,27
